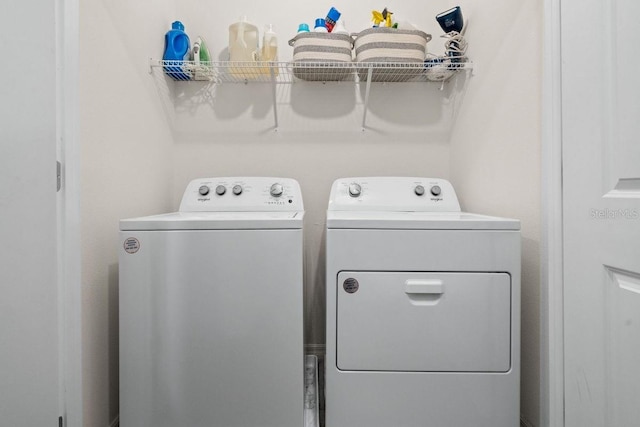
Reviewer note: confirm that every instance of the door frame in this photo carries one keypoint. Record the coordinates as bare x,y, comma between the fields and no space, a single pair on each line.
551,262
68,222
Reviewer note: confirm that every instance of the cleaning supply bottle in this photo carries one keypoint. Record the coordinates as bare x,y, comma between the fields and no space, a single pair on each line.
340,28
176,48
202,69
321,26
332,18
269,45
243,41
303,28
270,48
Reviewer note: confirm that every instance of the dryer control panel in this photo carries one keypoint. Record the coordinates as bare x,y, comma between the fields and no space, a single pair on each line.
393,194
242,194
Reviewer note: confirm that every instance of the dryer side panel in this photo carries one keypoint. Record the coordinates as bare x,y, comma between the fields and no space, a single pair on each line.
411,398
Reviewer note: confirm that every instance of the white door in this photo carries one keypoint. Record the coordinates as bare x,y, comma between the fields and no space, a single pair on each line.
601,180
28,275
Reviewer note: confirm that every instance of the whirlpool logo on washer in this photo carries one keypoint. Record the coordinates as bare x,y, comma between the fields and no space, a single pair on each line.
131,245
351,285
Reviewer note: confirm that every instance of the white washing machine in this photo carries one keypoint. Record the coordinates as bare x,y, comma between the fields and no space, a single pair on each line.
211,327
423,308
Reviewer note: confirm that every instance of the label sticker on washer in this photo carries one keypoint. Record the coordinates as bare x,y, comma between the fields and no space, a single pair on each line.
131,245
351,285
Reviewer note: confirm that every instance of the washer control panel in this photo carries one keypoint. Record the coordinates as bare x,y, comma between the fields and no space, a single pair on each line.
393,194
242,194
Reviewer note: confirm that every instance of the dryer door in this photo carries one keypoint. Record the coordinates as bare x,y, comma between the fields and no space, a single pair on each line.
424,322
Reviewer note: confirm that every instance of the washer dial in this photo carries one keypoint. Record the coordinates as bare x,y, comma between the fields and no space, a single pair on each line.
355,189
276,190
237,189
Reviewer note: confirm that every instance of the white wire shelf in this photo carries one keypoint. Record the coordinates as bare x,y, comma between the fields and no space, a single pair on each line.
436,69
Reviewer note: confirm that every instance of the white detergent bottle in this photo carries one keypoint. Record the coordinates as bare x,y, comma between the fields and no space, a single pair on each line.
340,28
269,49
243,41
269,44
321,26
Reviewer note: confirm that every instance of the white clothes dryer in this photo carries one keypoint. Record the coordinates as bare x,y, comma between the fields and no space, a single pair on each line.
211,326
423,308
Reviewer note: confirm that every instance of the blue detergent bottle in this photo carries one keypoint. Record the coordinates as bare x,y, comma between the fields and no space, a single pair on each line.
176,48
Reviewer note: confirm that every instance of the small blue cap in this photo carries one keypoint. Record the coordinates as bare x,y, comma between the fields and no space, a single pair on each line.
177,25
320,23
333,14
303,28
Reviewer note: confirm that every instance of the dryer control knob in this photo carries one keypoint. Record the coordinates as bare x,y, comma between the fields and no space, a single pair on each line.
419,190
276,190
354,189
220,190
203,190
436,190
237,190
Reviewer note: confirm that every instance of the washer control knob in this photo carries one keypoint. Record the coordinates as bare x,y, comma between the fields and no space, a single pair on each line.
237,190
436,190
355,190
276,190
203,190
220,190
419,190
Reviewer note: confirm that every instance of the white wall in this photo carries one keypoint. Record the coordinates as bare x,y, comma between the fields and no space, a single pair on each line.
495,148
144,138
126,149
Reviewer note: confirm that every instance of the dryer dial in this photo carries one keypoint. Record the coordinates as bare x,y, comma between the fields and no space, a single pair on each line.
203,190
220,190
237,190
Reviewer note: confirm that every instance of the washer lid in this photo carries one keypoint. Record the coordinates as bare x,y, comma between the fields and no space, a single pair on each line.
418,221
215,221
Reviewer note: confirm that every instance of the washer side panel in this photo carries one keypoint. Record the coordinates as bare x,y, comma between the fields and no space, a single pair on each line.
211,329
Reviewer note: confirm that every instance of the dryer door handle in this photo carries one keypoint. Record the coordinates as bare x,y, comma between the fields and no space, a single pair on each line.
428,287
